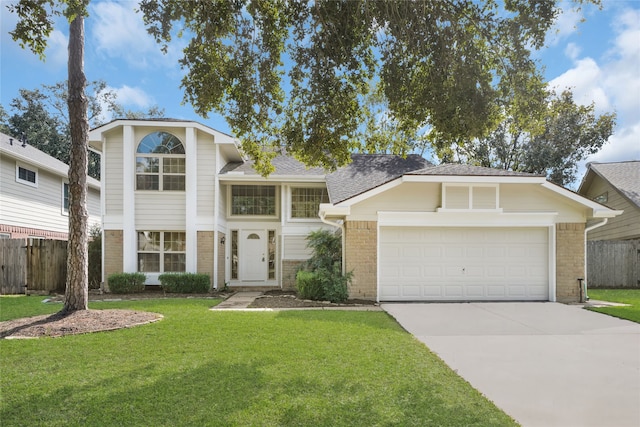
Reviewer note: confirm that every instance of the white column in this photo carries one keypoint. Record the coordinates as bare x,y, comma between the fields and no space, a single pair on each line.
191,202
129,237
216,210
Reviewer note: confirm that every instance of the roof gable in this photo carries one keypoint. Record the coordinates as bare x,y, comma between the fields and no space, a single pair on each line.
623,176
368,171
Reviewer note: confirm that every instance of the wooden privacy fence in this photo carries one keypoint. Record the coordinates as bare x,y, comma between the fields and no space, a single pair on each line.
613,264
40,265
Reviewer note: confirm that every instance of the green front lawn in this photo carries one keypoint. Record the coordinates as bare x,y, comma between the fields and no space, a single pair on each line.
197,367
625,296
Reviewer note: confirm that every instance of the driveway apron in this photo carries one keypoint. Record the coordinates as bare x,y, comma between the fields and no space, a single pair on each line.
545,364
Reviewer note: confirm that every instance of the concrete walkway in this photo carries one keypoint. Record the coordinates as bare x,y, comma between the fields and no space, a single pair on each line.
545,364
240,301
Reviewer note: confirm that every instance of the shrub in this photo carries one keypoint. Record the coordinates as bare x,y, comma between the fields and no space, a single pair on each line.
322,278
185,283
126,283
309,286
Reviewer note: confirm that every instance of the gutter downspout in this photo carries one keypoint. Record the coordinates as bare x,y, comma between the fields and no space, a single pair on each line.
586,230
341,226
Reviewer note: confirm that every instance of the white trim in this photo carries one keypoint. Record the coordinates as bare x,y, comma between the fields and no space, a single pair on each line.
242,179
28,168
471,179
373,192
191,199
216,214
552,263
598,210
129,235
466,219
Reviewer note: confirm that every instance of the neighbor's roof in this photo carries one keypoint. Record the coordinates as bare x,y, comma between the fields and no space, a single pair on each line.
368,171
624,176
28,154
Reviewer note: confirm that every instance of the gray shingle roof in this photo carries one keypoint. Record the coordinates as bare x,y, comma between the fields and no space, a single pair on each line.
284,165
625,176
31,155
368,171
467,170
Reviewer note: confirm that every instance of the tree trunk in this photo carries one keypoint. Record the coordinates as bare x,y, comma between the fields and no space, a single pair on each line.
77,290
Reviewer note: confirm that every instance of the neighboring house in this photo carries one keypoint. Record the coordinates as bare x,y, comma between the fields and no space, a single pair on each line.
34,197
616,185
179,196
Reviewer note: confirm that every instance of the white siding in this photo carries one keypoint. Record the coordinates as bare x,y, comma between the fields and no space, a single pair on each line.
93,207
160,210
206,177
534,198
38,207
295,248
113,185
484,197
409,196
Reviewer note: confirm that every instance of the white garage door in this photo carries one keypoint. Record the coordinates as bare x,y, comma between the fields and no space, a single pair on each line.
464,264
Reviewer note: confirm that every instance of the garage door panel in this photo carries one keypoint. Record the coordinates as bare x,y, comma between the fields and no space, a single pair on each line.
464,264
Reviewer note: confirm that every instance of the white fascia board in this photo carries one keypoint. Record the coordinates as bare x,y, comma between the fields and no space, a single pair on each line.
468,179
466,219
239,177
598,210
334,211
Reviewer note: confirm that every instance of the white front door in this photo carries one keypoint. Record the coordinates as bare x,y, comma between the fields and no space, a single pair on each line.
253,256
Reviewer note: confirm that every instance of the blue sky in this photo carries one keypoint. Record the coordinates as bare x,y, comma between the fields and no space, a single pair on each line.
598,58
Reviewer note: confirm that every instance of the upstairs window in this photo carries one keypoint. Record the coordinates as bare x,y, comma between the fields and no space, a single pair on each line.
27,175
305,202
160,163
253,200
470,197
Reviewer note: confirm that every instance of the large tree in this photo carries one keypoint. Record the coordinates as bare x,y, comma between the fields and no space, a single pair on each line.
299,74
35,23
567,134
42,116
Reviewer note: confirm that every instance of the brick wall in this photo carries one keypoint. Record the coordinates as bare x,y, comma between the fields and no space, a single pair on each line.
15,232
569,261
361,241
289,270
205,254
112,256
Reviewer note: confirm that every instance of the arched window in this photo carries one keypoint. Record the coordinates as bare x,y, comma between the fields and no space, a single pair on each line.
160,163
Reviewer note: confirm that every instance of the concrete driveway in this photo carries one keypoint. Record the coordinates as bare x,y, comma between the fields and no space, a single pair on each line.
545,364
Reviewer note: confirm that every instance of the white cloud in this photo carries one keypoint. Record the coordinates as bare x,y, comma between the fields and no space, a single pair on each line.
566,23
119,32
613,83
572,51
129,97
57,49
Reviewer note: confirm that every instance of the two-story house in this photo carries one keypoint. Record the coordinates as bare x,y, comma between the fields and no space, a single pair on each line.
178,196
